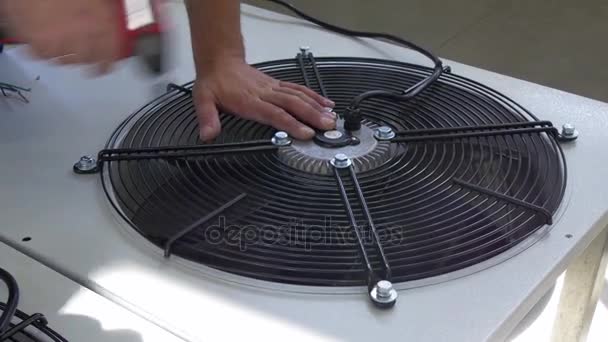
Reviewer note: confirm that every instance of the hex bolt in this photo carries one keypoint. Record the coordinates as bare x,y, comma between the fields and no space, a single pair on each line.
281,139
568,129
383,294
341,161
568,132
305,50
384,288
86,164
384,133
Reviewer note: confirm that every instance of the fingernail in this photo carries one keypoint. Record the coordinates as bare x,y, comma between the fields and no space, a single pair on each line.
206,133
307,132
329,103
328,122
333,115
330,112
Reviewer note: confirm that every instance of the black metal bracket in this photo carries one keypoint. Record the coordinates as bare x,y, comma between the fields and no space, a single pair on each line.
539,210
179,152
372,277
450,133
305,60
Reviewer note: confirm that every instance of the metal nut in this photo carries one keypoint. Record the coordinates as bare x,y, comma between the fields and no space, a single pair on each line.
384,133
384,288
383,294
568,132
281,139
568,129
86,164
341,161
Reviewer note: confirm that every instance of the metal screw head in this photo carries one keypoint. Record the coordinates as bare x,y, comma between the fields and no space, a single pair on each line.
384,288
281,139
568,129
568,132
341,161
86,164
383,294
384,133
305,49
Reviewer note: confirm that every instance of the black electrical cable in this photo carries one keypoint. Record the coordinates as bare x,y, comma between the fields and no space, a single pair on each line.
352,111
12,302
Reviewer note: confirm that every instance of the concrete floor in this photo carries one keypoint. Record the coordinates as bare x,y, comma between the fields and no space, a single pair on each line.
557,43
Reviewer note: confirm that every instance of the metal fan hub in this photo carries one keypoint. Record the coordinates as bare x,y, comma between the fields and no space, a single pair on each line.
312,157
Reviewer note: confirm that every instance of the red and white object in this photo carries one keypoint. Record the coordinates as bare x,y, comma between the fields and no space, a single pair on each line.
140,30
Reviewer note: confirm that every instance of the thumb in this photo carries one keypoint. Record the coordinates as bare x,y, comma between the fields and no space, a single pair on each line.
208,118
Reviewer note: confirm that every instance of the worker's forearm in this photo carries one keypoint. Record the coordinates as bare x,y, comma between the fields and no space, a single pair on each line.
216,31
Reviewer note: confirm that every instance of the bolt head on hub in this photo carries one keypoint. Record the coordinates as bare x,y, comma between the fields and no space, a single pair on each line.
568,132
384,133
341,161
383,294
281,139
333,135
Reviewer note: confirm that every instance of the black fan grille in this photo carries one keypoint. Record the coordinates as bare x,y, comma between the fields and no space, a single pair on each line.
290,226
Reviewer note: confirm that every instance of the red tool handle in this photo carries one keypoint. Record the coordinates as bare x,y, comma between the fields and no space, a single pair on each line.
4,38
128,37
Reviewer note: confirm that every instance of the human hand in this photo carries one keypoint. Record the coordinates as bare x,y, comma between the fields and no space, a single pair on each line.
235,87
68,31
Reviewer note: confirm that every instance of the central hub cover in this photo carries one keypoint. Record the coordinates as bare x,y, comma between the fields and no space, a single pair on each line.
310,156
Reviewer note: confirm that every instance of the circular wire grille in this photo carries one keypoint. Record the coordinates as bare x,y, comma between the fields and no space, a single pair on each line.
292,227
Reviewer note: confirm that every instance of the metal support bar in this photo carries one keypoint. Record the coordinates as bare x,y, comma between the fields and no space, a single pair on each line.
439,130
300,58
172,152
540,210
315,69
302,64
371,278
381,290
372,227
200,222
437,137
580,294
